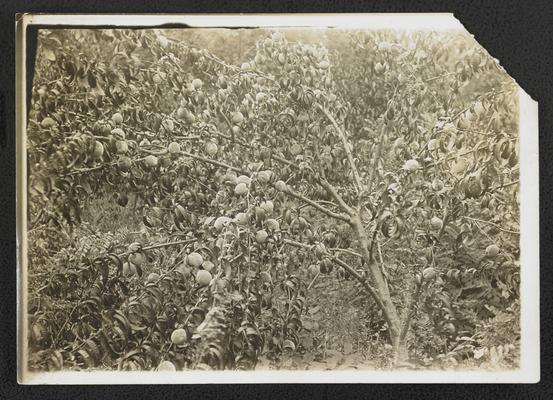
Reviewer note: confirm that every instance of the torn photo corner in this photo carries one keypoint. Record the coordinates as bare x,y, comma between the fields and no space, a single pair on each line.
304,198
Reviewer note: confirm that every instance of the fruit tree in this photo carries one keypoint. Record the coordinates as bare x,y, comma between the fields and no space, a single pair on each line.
385,157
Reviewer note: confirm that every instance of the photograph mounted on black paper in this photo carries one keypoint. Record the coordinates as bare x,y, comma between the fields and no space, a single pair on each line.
273,198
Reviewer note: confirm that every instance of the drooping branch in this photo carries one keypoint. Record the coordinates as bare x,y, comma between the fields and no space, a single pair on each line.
347,149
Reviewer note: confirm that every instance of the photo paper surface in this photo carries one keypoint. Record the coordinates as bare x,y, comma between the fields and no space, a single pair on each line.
261,198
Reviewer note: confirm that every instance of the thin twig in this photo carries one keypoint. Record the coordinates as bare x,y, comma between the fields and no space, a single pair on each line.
317,206
492,224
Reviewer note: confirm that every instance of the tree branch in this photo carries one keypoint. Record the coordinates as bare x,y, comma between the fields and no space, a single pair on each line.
360,278
317,206
492,224
410,311
353,253
334,193
376,158
346,148
199,158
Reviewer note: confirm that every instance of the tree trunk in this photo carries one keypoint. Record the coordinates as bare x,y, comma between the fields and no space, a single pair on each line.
401,354
381,288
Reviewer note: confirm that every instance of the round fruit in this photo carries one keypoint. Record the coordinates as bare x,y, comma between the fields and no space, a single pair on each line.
459,166
259,97
195,259
437,185
241,189
151,161
326,266
243,179
118,133
324,64
98,151
429,273
197,84
153,277
211,148
450,328
189,118
436,223
181,112
208,266
173,148
314,270
264,177
184,270
295,149
237,117
124,164
203,277
179,336
281,186
261,236
220,223
241,219
492,251
272,224
117,118
320,249
166,366
121,146
128,269
48,123
411,165
136,259
268,206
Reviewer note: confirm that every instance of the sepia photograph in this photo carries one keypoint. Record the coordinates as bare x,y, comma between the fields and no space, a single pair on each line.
278,200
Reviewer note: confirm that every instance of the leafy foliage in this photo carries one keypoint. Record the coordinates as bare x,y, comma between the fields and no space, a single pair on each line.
386,158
